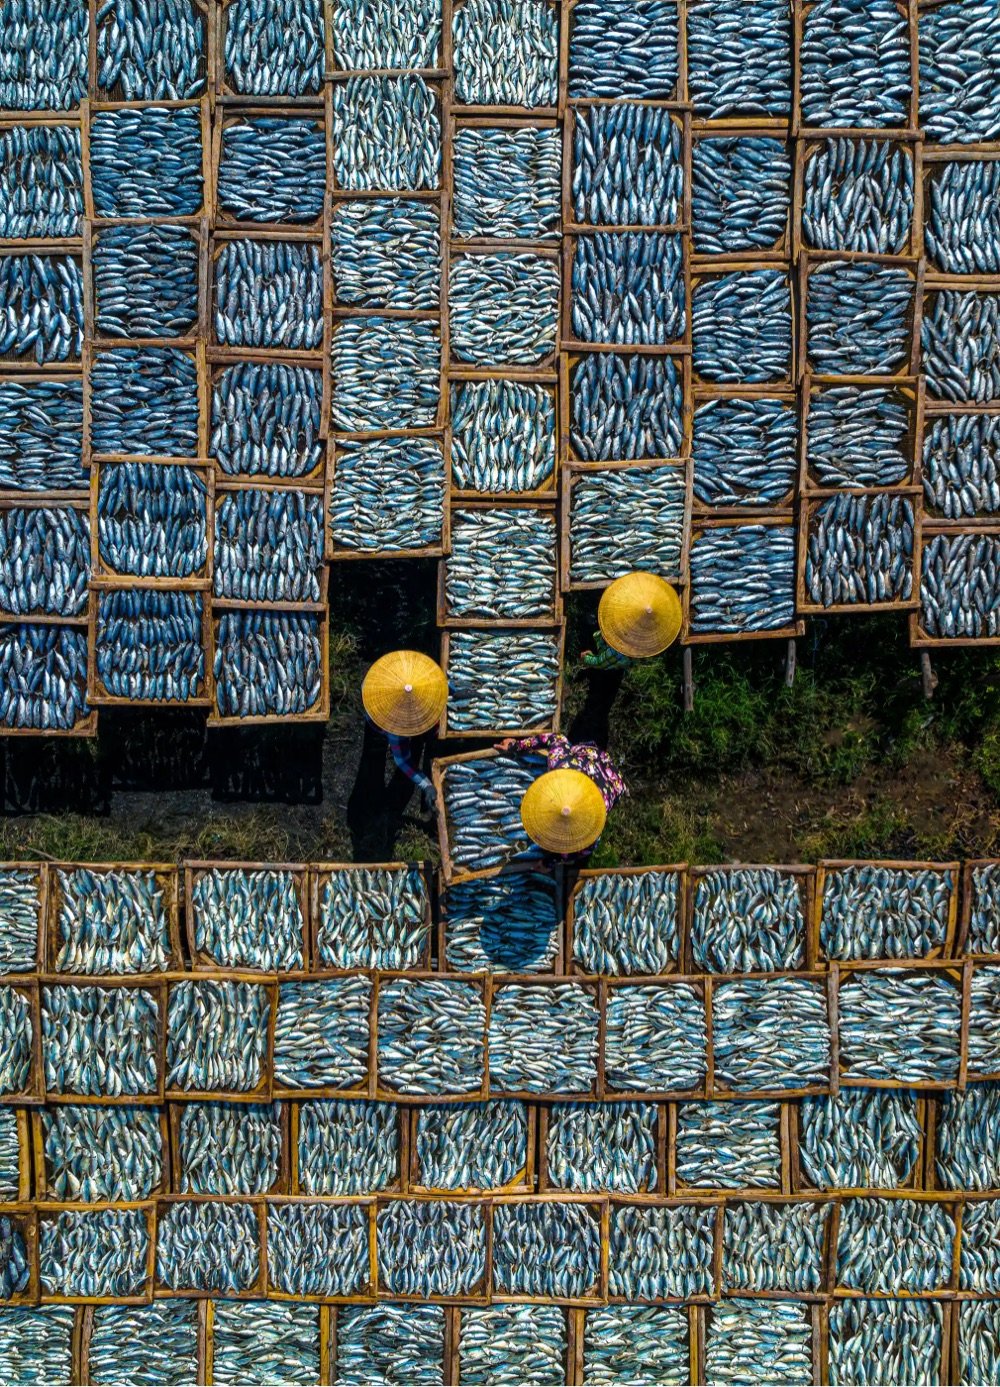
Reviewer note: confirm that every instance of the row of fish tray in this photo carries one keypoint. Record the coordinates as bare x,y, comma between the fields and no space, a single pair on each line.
871,66
583,1249
291,920
867,1140
735,1340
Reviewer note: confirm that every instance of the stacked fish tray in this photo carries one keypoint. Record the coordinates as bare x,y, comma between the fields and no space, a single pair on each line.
318,1122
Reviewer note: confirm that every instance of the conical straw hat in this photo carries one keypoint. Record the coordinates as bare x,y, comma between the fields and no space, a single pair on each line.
405,693
563,811
639,615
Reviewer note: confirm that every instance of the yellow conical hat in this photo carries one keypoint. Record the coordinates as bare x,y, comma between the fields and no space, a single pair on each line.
563,811
639,615
405,693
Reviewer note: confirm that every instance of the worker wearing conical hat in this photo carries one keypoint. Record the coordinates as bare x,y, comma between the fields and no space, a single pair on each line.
404,695
639,616
565,810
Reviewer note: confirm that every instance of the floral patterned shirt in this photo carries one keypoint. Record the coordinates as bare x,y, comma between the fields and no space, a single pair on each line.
559,751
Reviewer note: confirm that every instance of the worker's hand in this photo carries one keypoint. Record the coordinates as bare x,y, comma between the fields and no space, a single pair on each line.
506,744
429,796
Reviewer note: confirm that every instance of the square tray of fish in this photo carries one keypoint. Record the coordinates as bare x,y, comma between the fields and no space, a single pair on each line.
88,1153
726,1146
662,1252
772,1248
894,1246
618,408
502,569
506,56
636,1342
961,193
41,303
377,916
348,1146
146,280
386,133
771,1036
982,1039
957,104
900,1027
544,1038
506,921
397,34
149,648
273,48
529,1341
503,308
961,1149
472,1147
268,294
958,336
41,180
44,560
269,547
739,59
109,919
388,497
432,1249
655,1038
206,1247
619,49
103,1254
626,922
379,1341
385,375
860,436
742,327
742,581
148,161
269,666
266,422
548,1248
979,928
620,518
481,794
220,1038
627,167
41,435
269,169
386,253
974,1341
39,1341
319,1251
961,469
507,182
857,195
430,1037
242,915
741,196
598,1148
144,402
959,589
859,549
153,521
22,912
858,1138
502,682
19,1282
979,1264
855,65
322,1036
43,681
626,289
750,919
878,910
262,1340
860,317
153,53
744,453
98,1043
47,65
503,439
746,1340
860,1330
118,1343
